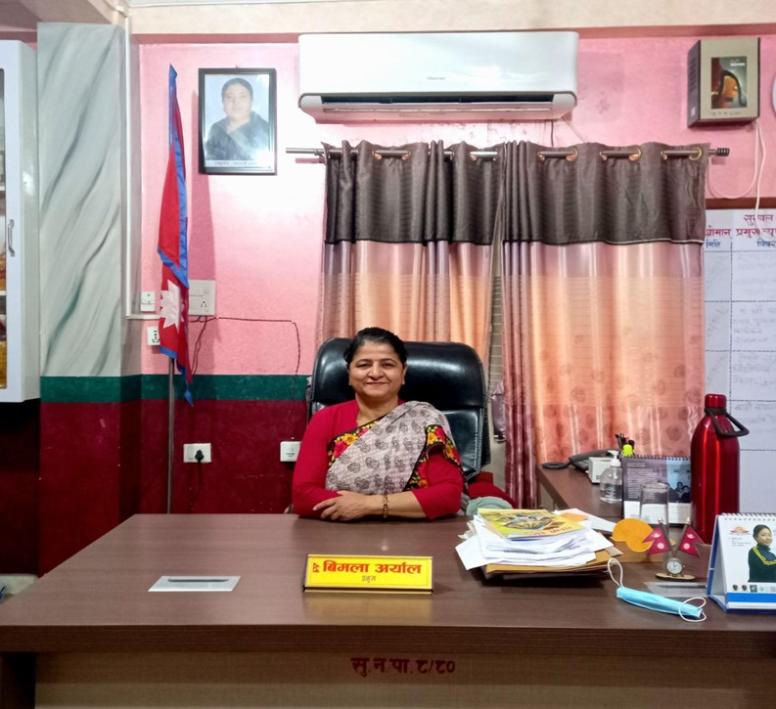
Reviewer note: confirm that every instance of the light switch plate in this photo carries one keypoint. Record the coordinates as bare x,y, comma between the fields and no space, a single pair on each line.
289,451
148,301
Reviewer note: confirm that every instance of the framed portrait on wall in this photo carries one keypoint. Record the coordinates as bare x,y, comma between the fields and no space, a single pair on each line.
723,80
237,123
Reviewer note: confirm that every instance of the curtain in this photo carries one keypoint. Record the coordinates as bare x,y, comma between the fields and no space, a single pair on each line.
408,242
602,285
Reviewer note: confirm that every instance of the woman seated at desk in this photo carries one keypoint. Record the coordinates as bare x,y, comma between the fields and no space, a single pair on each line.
376,455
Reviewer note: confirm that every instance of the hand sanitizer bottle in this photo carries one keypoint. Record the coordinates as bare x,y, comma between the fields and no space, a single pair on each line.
611,482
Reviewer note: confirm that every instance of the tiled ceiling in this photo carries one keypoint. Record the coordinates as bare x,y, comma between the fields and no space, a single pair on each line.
14,15
20,17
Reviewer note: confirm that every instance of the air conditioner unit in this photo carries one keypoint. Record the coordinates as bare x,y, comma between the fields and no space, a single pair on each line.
440,76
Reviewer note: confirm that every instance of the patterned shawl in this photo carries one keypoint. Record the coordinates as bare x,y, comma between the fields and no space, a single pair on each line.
383,457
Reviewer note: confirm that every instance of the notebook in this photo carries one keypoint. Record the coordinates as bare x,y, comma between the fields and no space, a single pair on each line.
742,565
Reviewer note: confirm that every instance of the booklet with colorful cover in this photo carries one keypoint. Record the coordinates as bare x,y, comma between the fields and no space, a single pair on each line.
527,524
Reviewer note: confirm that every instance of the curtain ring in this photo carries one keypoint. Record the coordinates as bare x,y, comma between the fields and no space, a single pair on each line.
604,157
376,155
635,157
569,156
406,155
697,153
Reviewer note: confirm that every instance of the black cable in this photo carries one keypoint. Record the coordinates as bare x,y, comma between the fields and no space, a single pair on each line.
193,495
205,319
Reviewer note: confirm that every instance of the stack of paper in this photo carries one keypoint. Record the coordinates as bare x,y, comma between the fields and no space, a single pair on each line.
532,542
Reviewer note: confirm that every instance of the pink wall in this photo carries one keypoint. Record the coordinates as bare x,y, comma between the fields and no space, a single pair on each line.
259,237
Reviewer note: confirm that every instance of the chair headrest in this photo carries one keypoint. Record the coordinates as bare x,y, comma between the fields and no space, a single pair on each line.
448,375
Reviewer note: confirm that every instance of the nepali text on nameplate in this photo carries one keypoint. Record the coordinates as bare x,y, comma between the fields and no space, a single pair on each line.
368,573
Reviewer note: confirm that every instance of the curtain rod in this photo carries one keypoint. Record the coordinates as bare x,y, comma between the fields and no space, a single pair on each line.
568,153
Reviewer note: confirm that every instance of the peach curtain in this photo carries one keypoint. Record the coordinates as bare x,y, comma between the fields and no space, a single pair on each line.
408,243
603,304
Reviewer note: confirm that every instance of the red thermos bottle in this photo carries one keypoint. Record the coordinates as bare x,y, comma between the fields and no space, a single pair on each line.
714,463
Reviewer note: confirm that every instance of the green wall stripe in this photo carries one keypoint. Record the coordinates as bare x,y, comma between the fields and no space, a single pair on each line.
270,387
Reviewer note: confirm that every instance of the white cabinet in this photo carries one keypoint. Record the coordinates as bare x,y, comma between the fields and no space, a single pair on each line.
19,291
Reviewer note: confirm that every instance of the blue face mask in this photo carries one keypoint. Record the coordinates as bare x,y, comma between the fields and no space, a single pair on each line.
690,612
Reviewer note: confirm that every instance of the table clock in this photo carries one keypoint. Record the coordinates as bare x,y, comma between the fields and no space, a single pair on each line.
673,566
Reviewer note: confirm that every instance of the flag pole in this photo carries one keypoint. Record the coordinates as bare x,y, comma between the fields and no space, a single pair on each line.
173,252
170,430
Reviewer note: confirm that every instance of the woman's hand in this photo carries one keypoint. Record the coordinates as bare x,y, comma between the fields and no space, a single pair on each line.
347,506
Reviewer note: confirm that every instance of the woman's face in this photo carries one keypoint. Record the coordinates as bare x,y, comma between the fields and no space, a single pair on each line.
376,372
764,537
237,103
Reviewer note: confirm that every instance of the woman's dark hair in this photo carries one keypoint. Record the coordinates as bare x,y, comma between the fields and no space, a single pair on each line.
759,528
238,81
375,334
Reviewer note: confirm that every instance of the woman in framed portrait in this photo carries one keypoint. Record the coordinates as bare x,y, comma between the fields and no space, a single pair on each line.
242,134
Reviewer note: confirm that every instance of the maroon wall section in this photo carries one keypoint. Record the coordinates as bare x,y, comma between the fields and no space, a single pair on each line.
80,473
19,463
246,474
102,462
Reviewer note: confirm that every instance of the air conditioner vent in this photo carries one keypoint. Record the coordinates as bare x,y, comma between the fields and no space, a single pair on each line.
441,98
440,76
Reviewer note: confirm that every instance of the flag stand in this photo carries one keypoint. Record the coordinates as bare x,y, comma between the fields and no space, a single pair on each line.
170,430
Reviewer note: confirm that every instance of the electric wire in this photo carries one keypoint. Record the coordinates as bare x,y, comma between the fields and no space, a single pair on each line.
206,319
759,166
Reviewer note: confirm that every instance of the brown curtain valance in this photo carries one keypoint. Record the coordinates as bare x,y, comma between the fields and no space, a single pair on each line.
418,198
588,197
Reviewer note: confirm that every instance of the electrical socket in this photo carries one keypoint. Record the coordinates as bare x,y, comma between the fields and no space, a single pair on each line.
289,451
202,297
190,452
152,336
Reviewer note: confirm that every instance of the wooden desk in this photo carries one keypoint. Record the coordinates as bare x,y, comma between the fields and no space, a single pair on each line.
570,487
100,639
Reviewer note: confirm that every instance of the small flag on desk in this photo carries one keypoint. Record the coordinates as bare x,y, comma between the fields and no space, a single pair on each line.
659,542
688,541
173,251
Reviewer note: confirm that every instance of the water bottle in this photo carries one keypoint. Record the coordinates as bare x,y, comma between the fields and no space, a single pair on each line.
714,454
611,482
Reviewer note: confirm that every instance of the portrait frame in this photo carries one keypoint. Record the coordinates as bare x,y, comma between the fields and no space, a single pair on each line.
723,81
250,148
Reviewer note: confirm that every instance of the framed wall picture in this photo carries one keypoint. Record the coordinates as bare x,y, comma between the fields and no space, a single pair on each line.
237,121
723,80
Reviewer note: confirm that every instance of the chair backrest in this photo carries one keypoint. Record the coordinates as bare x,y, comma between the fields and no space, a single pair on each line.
448,375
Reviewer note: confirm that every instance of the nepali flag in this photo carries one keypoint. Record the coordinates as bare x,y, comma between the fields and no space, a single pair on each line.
688,541
659,540
173,226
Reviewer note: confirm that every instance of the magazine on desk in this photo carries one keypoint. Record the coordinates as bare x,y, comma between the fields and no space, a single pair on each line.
742,567
527,524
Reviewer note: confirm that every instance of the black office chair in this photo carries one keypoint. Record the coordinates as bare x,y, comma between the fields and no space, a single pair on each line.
448,375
